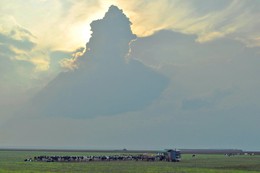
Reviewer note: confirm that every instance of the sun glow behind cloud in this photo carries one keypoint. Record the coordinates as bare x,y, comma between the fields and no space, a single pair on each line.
64,25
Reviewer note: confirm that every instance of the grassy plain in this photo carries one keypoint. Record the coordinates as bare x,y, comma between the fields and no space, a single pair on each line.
13,162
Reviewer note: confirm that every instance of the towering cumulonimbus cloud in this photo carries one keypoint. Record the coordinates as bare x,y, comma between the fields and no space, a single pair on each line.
105,82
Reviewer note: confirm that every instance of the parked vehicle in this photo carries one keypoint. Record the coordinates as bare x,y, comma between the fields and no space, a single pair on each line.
173,155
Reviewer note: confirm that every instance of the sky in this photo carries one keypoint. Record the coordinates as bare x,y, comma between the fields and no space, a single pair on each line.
140,74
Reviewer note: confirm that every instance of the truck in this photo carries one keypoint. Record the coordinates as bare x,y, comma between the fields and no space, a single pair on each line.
172,155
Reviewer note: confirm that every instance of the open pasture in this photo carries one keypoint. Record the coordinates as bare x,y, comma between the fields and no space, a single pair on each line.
13,161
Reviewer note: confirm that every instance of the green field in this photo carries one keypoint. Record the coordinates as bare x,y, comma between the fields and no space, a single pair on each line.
13,161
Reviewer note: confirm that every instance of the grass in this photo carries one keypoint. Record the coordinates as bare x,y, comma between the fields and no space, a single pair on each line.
12,161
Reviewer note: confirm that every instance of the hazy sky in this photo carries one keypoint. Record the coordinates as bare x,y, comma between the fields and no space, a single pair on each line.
185,75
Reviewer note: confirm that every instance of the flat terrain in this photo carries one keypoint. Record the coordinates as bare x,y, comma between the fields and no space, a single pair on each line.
13,161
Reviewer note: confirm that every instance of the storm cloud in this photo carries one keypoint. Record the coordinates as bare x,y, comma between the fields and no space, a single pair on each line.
106,82
208,51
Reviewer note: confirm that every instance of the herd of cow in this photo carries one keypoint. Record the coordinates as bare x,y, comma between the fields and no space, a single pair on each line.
141,157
